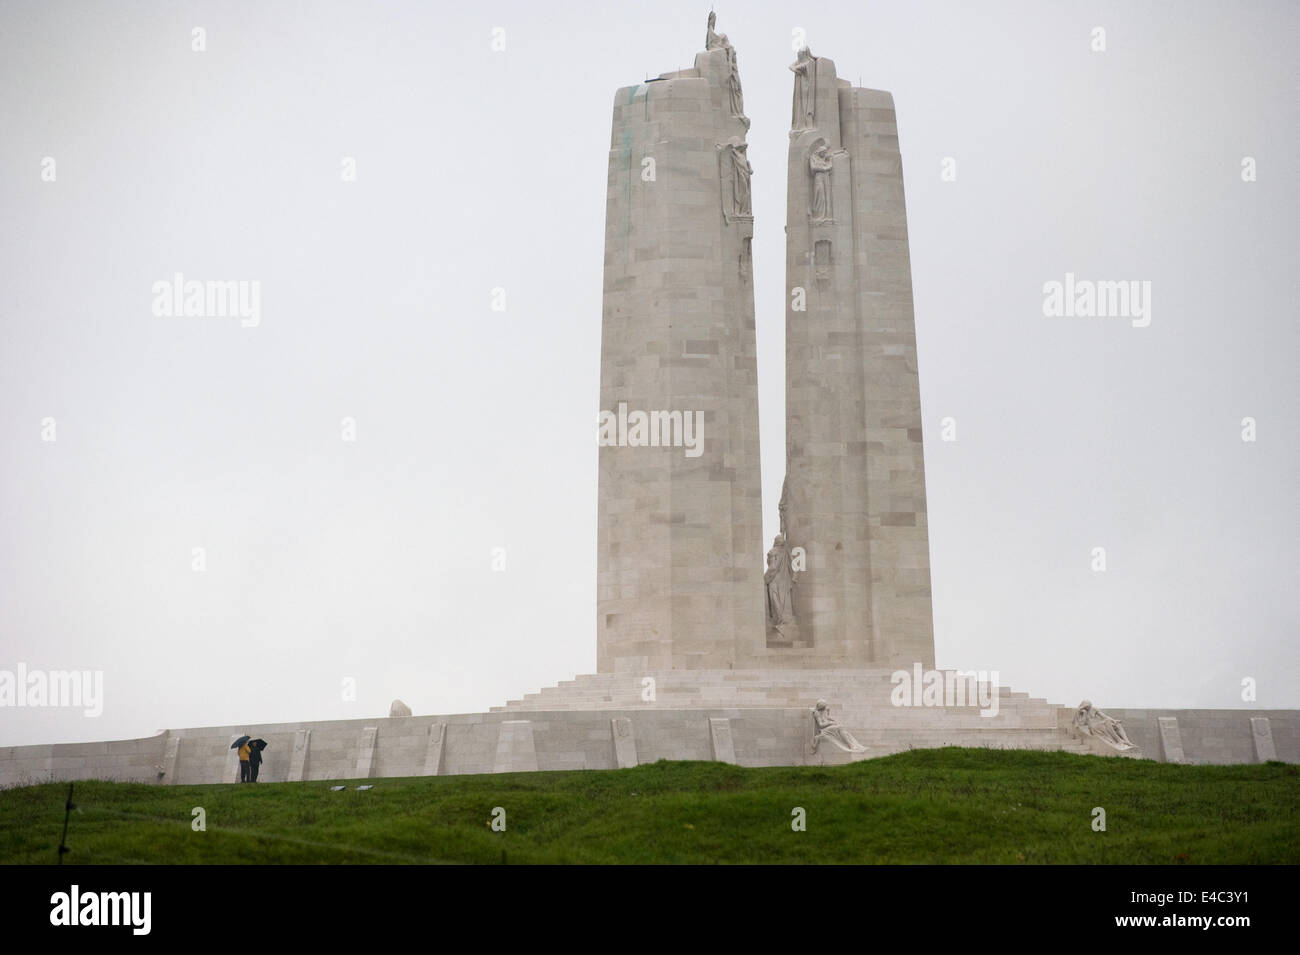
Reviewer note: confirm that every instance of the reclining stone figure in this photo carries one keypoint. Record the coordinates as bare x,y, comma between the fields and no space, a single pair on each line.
827,728
1090,721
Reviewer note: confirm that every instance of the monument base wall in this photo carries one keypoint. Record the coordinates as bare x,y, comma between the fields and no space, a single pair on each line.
747,717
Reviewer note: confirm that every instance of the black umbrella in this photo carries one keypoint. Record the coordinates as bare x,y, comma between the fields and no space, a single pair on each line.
258,744
240,742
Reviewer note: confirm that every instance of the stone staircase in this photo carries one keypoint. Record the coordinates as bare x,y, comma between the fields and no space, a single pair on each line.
860,699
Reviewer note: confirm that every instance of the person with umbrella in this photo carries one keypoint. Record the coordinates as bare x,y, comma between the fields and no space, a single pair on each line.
255,747
244,752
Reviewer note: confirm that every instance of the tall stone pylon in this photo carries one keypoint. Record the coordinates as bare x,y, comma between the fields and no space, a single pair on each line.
679,538
855,491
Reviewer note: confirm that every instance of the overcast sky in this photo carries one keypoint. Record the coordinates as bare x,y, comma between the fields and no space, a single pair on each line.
478,169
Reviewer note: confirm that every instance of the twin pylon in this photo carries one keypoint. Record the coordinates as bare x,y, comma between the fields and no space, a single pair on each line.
680,579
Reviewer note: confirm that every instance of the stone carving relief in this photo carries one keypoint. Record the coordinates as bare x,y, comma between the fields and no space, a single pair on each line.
783,508
827,728
820,164
780,586
1090,721
805,91
734,170
822,260
718,41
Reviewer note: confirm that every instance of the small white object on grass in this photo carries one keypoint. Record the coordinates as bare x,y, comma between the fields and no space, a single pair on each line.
365,787
335,789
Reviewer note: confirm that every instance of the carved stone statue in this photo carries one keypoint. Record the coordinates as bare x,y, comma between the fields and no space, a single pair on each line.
714,40
783,508
741,171
827,728
780,586
718,41
735,160
820,165
1090,721
803,115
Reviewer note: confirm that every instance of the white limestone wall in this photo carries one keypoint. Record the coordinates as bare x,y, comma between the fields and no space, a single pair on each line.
604,721
679,549
471,743
853,408
130,760
1215,736
902,623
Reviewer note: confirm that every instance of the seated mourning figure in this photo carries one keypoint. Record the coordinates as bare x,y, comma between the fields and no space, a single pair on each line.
829,729
1090,721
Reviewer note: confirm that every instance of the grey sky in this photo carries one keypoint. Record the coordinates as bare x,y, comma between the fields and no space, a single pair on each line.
475,428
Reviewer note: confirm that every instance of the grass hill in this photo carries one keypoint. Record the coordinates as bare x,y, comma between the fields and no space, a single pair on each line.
925,806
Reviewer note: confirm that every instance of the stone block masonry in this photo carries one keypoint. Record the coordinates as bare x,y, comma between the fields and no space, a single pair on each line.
679,537
516,748
855,501
768,724
679,547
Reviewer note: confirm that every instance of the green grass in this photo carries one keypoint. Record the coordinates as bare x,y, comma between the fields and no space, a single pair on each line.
925,806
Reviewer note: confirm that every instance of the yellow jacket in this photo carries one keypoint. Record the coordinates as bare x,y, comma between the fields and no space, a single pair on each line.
243,753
